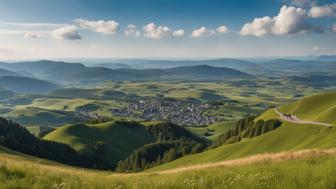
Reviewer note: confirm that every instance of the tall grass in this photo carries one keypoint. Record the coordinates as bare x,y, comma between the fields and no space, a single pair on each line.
310,171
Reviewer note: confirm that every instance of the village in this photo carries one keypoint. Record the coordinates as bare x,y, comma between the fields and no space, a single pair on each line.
179,112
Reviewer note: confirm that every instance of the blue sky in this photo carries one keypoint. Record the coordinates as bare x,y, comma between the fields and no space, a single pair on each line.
35,29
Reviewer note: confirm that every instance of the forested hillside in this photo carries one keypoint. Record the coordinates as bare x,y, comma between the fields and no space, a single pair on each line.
17,138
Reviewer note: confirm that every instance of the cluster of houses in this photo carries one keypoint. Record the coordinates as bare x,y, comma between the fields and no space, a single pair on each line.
87,116
176,111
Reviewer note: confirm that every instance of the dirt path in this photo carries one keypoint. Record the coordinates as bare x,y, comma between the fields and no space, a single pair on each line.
295,119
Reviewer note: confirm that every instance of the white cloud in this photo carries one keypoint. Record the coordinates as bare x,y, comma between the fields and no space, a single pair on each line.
202,32
108,27
323,11
31,35
156,32
66,33
316,48
179,33
131,30
222,29
290,20
259,27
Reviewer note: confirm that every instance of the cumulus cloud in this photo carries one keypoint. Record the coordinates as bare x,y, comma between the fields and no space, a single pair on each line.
323,11
108,27
153,31
131,30
66,33
222,29
202,32
290,20
179,33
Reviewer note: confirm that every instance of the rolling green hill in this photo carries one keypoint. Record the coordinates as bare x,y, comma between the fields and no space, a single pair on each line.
320,107
214,130
18,138
118,139
30,116
289,136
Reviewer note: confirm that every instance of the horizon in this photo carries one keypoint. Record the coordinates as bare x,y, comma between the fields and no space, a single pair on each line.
103,60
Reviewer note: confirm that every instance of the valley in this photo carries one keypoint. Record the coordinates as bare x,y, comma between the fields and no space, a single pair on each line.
206,124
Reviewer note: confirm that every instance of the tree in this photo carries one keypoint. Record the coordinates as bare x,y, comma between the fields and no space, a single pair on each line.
246,127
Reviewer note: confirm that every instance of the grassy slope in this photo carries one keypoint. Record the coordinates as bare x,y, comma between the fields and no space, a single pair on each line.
120,140
288,137
268,114
215,129
18,171
319,107
45,117
59,104
23,172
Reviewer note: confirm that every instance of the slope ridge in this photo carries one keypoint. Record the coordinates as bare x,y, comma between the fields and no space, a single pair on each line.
118,139
313,108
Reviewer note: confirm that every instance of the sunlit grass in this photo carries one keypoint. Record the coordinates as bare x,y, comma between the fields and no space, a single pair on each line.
309,171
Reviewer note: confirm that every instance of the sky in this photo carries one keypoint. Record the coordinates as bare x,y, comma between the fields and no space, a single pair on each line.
50,29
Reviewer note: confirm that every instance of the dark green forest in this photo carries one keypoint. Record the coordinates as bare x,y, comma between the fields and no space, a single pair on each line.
171,142
18,138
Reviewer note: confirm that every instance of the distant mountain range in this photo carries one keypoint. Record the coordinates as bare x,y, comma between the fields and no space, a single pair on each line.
71,73
298,67
113,65
272,67
327,58
26,85
241,65
4,94
64,73
4,72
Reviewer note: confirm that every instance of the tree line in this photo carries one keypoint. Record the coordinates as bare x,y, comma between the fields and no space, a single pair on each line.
246,128
18,138
171,142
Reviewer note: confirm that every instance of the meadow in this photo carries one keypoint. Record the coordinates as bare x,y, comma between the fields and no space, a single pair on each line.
304,169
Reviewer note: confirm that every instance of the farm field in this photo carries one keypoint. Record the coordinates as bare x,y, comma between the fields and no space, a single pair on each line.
233,101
